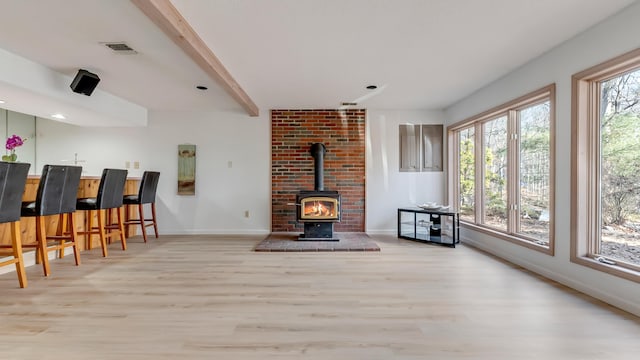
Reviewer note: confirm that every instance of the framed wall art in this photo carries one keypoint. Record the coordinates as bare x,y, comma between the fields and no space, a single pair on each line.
186,169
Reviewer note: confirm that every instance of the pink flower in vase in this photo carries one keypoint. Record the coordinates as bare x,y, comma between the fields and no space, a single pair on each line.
13,142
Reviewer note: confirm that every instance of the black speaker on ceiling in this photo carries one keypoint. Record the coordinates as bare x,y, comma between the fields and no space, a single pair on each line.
84,82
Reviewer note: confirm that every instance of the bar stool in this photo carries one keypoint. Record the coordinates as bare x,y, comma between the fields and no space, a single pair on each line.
13,177
110,193
57,194
146,195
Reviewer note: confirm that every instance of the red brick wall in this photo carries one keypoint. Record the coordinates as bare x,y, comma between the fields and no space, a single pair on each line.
342,133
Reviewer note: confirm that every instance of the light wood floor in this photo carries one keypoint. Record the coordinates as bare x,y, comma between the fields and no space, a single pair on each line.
203,297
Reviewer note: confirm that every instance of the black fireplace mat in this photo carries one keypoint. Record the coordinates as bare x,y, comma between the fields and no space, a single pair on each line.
348,241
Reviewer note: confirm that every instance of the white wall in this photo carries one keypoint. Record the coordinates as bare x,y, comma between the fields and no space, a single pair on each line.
387,188
613,37
223,193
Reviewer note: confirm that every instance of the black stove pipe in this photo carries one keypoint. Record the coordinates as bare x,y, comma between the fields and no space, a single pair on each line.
318,150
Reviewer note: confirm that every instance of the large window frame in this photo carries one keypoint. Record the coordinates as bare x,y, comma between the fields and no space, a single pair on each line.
585,164
511,110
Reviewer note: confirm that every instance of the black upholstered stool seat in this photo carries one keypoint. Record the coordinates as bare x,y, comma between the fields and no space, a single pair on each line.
131,199
87,204
13,177
29,209
110,193
146,195
57,194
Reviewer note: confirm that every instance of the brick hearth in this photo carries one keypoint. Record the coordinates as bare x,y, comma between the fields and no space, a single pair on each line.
343,133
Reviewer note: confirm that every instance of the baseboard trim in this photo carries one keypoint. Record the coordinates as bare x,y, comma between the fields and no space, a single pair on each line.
382,232
214,232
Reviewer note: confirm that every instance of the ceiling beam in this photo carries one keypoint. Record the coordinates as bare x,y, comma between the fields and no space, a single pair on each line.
167,18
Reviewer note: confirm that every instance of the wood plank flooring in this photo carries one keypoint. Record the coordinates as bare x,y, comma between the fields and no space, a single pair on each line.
212,297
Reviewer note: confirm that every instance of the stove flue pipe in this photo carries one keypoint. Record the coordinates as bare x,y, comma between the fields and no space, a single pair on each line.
318,150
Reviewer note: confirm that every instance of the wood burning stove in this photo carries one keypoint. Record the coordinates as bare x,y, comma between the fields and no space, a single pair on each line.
318,209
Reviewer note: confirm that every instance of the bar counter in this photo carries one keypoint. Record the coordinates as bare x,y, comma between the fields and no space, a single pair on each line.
88,188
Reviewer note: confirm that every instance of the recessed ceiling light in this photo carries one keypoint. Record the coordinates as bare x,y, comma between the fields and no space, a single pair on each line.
1,101
200,87
58,116
372,87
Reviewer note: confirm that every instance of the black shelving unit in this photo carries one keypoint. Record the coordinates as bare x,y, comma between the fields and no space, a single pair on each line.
427,226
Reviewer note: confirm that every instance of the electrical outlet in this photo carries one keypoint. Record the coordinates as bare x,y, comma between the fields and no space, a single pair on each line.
127,164
136,164
246,214
229,164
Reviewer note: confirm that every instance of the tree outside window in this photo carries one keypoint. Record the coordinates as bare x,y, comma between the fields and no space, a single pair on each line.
620,168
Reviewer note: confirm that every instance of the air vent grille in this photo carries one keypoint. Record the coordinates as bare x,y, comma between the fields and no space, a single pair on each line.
349,104
120,47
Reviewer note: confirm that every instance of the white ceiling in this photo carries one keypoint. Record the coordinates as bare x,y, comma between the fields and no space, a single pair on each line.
425,54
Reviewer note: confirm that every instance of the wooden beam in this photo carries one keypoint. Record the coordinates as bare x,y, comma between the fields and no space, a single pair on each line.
167,18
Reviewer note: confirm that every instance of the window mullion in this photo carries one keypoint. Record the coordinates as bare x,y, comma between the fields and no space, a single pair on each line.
595,200
454,137
479,170
513,171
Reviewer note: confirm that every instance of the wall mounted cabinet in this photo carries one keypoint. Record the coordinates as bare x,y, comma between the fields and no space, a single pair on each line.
420,147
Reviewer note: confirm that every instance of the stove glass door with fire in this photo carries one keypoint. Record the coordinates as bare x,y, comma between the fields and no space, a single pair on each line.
319,208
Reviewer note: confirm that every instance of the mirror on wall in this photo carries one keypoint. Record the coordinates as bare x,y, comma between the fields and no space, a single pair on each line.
23,125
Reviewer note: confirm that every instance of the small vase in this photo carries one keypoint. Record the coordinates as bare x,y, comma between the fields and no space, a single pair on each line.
10,158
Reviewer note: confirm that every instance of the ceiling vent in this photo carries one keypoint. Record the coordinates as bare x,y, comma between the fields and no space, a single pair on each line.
120,48
349,104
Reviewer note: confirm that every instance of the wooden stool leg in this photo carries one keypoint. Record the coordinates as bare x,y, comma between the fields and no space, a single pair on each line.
38,256
41,237
62,229
123,238
153,217
17,253
127,218
107,225
73,234
88,233
103,241
141,214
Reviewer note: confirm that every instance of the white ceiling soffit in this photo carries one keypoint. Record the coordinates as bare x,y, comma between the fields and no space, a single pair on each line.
31,88
67,35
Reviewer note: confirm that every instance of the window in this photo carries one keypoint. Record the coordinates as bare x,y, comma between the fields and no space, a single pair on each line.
605,214
467,176
502,170
494,186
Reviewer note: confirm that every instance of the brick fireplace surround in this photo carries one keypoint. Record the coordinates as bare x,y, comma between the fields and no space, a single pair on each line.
343,134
